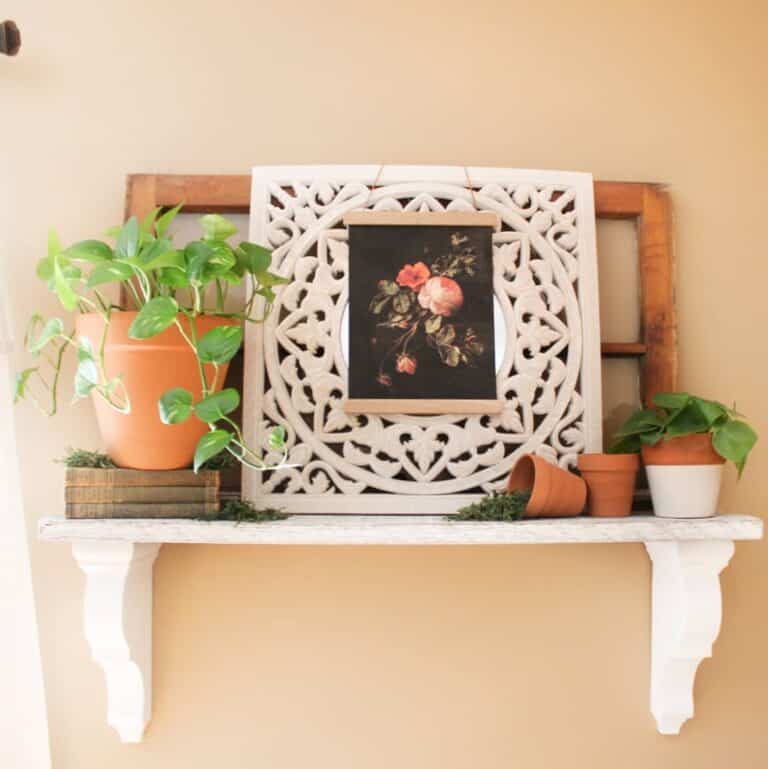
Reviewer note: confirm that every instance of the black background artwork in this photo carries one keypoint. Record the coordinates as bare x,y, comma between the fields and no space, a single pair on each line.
421,312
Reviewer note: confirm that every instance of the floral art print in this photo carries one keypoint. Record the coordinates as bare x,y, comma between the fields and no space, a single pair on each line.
421,312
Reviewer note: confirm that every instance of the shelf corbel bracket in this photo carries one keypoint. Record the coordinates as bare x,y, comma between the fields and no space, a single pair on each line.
686,615
118,627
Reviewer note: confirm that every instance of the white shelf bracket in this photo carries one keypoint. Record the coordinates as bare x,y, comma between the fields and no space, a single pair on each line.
686,617
118,627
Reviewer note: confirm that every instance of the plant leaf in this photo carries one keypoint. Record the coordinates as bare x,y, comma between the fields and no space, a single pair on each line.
155,316
216,227
687,421
276,439
710,410
62,284
215,406
175,406
642,421
433,324
253,258
164,222
110,272
54,245
671,401
89,251
220,344
733,441
173,277
210,445
155,250
87,373
20,390
128,239
52,329
627,445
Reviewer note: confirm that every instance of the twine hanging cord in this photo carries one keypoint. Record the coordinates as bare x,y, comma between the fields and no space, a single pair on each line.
470,186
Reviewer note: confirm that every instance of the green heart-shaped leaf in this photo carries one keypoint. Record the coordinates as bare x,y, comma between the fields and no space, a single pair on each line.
276,439
164,222
175,406
215,406
52,329
216,227
220,344
210,445
253,258
109,272
128,239
155,316
733,441
89,251
21,383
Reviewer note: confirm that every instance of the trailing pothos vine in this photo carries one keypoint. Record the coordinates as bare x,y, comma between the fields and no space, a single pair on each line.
167,286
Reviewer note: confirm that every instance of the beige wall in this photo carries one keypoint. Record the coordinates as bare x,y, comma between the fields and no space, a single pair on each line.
445,658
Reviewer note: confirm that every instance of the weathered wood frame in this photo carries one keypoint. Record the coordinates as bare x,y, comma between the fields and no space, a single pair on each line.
647,205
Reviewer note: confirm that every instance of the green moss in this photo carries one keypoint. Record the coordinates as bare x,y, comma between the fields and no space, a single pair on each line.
241,511
495,507
83,458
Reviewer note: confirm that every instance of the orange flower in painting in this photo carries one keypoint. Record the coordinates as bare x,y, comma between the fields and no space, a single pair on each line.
406,364
413,275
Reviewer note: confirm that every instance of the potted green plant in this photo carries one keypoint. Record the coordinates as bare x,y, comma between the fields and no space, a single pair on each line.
684,442
154,363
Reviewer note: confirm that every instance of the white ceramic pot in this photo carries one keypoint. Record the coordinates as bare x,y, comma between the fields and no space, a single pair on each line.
684,491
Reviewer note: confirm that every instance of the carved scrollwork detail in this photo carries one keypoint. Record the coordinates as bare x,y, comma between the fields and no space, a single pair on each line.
536,284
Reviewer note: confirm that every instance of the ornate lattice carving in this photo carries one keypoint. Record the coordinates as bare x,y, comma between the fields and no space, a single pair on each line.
544,278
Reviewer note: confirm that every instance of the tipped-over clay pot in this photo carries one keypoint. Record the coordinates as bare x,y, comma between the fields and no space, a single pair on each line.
610,482
555,493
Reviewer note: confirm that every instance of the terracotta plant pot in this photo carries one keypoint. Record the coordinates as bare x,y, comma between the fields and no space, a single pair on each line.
555,493
610,480
687,450
684,475
149,367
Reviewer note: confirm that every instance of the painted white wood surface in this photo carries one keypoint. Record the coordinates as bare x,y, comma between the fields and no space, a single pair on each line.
402,530
117,557
545,282
24,720
118,627
686,620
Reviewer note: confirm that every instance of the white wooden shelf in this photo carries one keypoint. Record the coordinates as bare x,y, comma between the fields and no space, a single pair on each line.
402,530
117,557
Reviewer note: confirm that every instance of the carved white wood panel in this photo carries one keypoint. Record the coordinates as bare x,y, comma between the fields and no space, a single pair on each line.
545,283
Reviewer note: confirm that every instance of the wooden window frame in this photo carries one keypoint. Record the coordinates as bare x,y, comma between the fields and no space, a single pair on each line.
647,205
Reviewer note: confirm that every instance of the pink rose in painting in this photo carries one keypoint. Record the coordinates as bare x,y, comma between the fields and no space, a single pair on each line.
413,275
441,296
406,364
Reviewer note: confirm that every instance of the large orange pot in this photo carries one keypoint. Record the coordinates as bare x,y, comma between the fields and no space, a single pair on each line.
555,493
149,367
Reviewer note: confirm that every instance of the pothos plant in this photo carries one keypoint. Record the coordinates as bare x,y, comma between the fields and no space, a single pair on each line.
678,414
164,284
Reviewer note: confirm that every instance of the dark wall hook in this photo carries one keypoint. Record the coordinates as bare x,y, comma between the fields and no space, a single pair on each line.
10,38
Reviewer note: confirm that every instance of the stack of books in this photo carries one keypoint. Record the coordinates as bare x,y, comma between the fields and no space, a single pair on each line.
118,493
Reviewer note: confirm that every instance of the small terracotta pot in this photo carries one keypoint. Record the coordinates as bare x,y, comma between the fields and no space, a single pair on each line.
610,482
149,367
686,450
555,493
